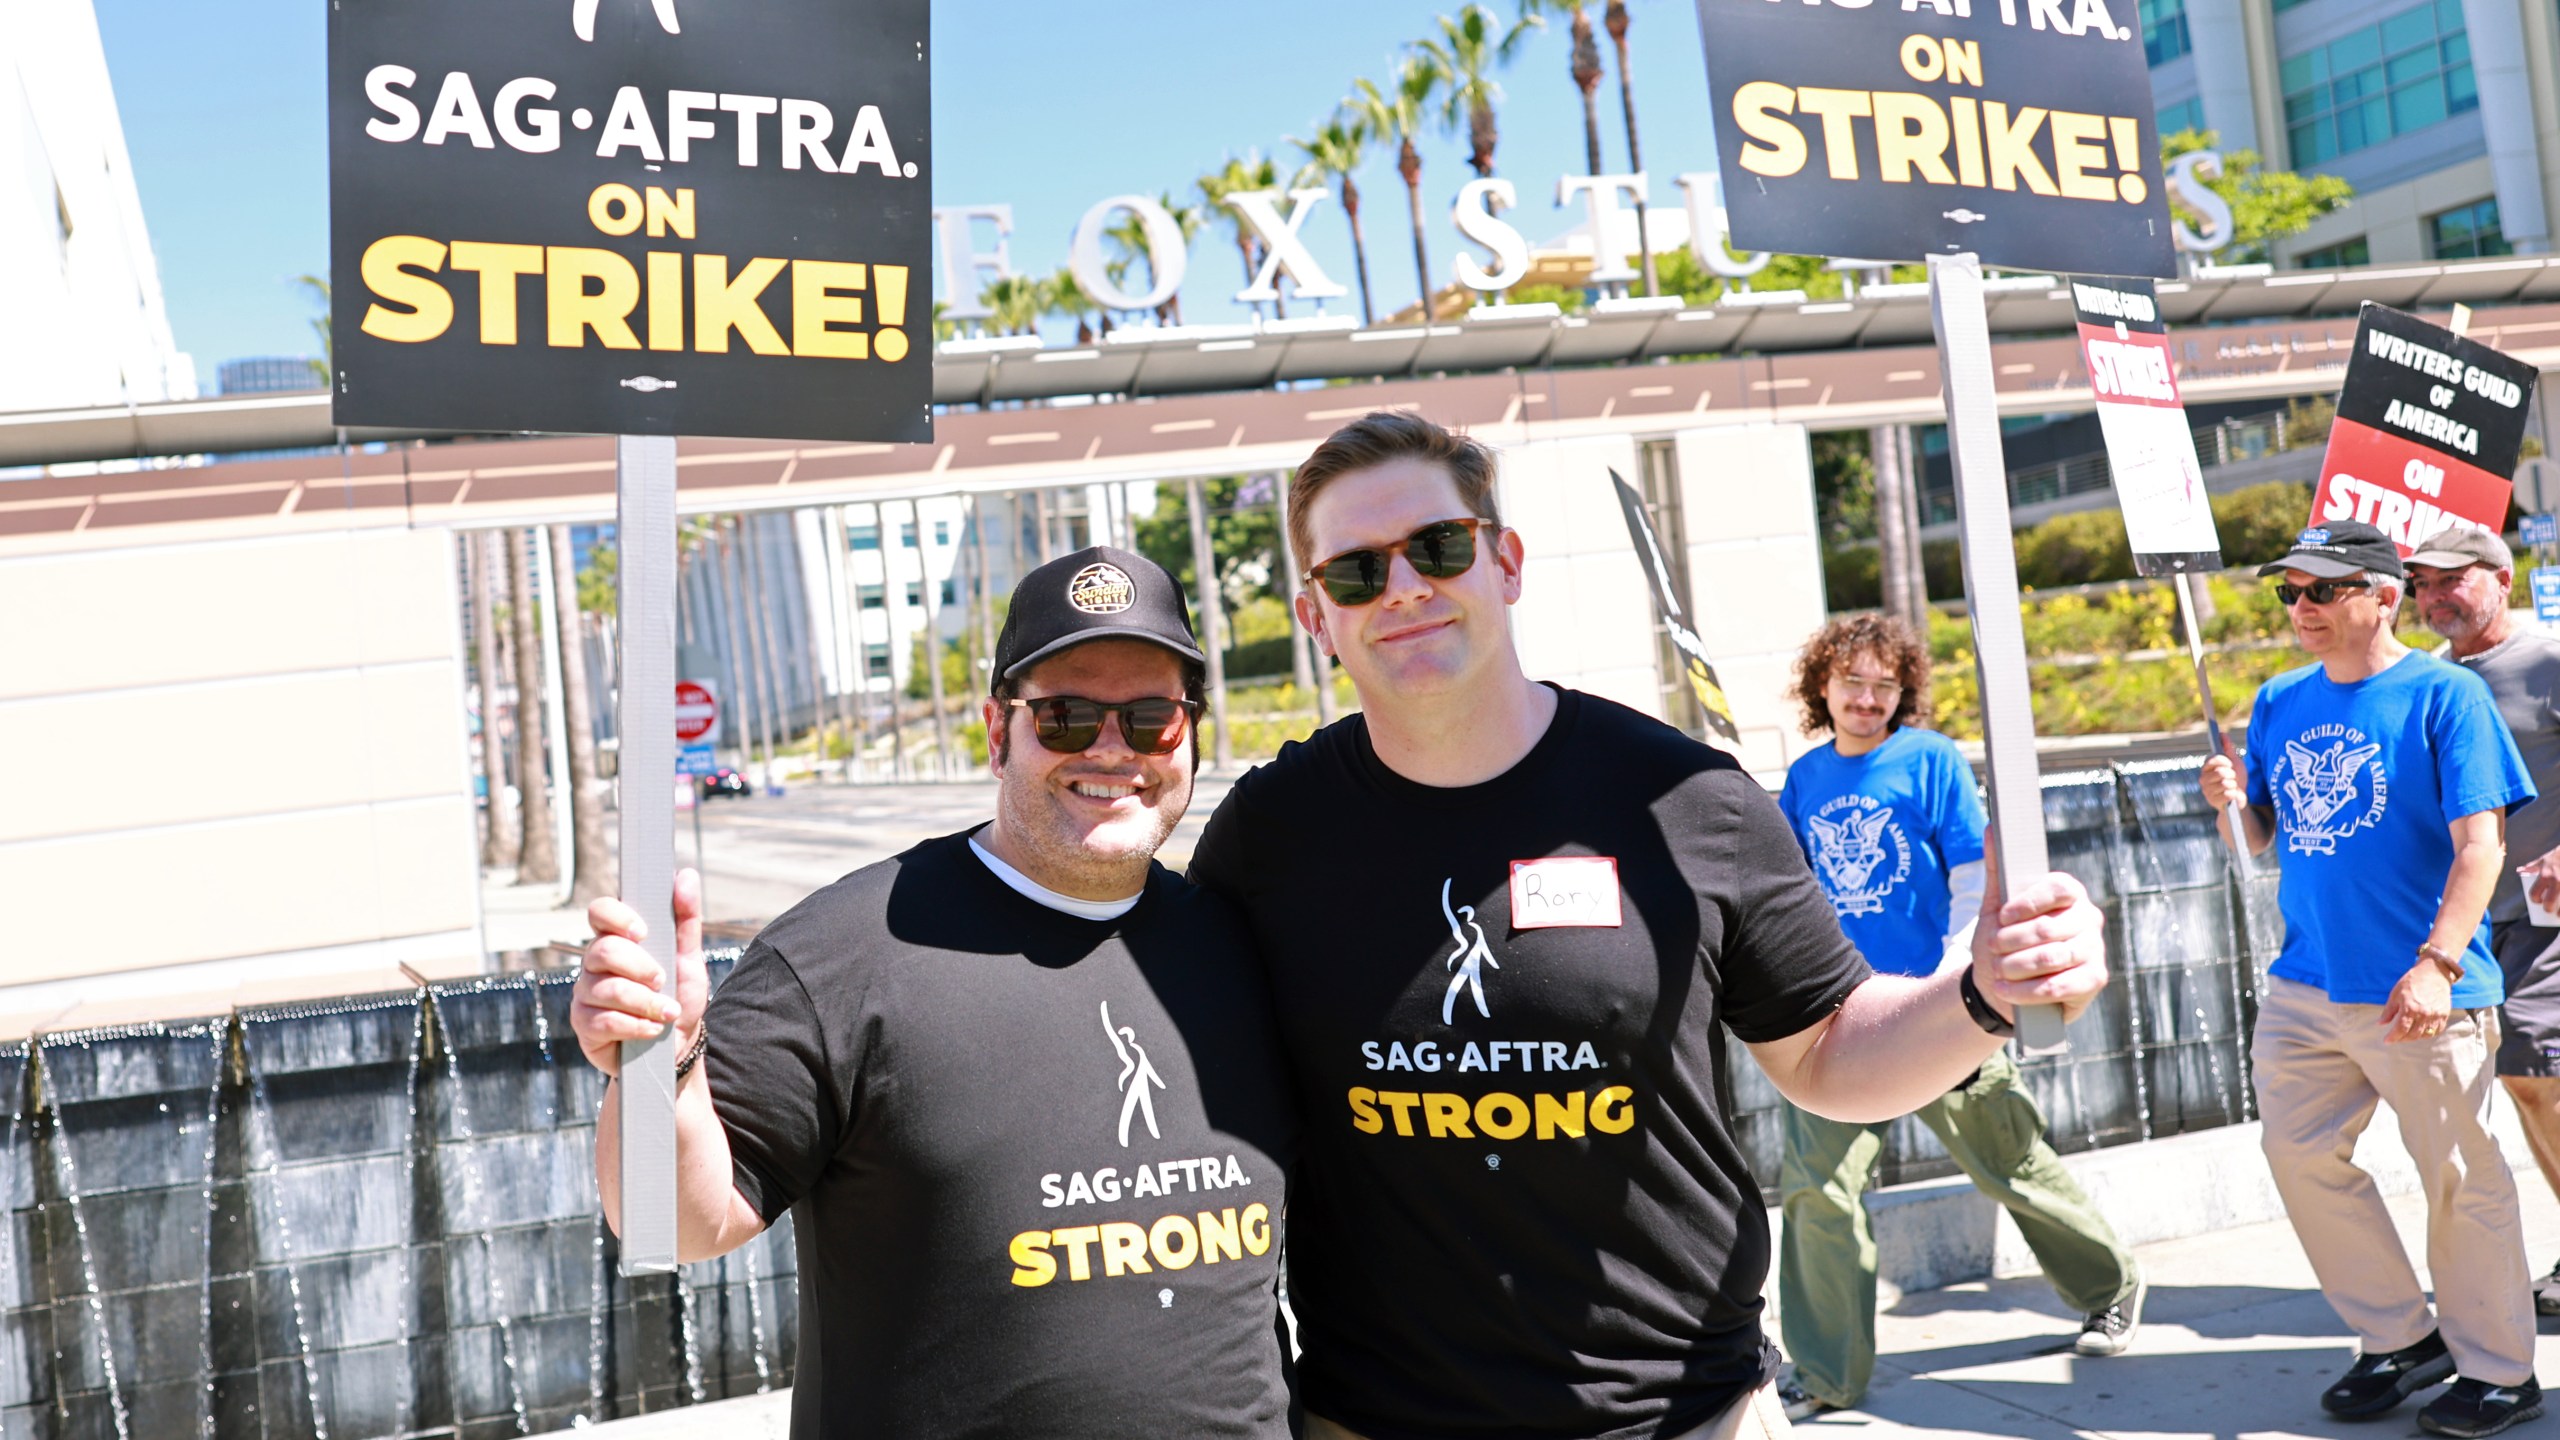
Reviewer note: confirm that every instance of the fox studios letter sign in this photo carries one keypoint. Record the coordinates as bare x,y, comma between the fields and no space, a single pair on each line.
2019,130
650,217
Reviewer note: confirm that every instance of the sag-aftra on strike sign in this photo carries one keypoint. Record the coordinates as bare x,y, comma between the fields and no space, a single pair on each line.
2019,130
701,217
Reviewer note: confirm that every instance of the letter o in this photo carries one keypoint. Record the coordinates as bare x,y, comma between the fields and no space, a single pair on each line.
602,208
1160,1243
1516,1121
1921,58
1166,255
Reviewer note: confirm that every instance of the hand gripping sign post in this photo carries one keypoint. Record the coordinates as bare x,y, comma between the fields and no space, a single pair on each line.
2158,480
2427,432
644,218
2009,132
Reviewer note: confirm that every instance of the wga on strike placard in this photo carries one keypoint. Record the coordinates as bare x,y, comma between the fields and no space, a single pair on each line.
2427,432
2149,447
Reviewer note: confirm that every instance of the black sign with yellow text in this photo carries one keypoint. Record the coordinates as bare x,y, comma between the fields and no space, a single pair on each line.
2019,130
647,217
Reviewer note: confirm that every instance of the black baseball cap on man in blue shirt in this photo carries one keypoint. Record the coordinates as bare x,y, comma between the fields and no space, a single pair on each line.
2337,549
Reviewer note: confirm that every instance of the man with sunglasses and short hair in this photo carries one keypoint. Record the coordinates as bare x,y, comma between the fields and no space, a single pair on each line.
2387,774
2459,581
1018,1087
1507,926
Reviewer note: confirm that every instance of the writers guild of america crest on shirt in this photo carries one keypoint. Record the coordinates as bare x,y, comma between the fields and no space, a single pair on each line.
2329,785
1854,838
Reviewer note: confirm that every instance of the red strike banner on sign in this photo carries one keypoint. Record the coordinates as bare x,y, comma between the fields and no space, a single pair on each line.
2406,492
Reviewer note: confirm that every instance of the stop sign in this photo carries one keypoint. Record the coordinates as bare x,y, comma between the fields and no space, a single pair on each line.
697,711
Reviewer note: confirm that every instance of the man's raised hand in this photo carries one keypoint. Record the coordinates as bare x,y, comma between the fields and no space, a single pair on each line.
617,996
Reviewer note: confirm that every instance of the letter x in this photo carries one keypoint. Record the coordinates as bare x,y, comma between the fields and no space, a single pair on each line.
1285,251
583,18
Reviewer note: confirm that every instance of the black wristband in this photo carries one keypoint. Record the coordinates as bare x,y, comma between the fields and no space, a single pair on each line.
1991,1021
693,1053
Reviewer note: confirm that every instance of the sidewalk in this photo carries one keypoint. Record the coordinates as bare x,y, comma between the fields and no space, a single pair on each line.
2235,1343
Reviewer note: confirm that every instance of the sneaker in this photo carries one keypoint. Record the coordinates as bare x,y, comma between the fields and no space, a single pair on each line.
2473,1408
2376,1383
1801,1405
2546,1293
2110,1331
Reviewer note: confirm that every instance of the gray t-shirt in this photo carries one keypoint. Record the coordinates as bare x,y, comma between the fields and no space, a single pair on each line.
2523,673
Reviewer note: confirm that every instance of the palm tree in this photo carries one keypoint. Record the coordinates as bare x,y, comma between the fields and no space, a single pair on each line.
1252,172
1016,302
1062,296
1399,111
540,864
1337,151
591,865
1616,19
1584,67
1464,54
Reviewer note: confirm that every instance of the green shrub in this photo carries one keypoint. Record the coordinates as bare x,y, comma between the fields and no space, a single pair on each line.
2259,523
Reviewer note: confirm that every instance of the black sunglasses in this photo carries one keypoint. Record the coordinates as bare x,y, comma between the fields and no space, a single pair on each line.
1069,724
2318,592
1439,551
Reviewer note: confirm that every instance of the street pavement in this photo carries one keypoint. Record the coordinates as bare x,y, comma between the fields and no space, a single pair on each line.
2236,1344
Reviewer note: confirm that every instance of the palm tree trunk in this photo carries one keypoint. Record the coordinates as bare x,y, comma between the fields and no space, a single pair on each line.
796,575
1591,127
591,866
931,596
500,843
1410,166
767,652
743,629
1359,249
541,863
1586,78
1635,152
1481,138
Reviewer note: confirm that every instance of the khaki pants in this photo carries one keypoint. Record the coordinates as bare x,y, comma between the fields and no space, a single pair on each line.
2321,1068
1756,1416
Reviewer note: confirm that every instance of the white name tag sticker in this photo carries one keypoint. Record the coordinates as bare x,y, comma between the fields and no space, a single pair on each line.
1565,890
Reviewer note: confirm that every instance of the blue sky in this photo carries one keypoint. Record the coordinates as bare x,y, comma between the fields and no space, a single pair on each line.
1046,107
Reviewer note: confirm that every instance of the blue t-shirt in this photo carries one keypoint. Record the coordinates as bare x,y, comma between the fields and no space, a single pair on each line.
1883,830
2365,780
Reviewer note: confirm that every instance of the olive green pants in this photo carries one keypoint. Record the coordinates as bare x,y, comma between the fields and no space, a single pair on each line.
1827,1256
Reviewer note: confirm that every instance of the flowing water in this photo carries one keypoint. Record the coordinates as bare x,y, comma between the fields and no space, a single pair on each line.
67,1176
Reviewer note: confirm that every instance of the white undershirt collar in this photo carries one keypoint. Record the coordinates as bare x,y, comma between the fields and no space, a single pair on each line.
1033,890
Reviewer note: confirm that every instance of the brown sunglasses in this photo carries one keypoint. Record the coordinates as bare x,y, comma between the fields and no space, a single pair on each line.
1070,724
1439,551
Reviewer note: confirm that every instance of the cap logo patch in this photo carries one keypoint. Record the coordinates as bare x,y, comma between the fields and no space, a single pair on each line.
1102,589
2316,535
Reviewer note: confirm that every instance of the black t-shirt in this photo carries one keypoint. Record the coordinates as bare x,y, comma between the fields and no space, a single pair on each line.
1036,1163
1521,1209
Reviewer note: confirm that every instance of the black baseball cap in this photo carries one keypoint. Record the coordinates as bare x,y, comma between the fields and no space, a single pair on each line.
1094,594
2336,549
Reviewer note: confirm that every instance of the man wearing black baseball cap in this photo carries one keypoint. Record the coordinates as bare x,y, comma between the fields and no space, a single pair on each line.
2459,581
1019,1087
2387,773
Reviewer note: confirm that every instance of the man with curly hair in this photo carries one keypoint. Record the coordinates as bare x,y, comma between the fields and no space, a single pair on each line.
1886,812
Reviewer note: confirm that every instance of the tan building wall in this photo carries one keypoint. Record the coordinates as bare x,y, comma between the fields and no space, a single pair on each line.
2393,219
1585,617
245,759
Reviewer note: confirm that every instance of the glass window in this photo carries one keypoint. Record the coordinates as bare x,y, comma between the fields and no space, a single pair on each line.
2164,30
872,597
875,657
941,532
862,537
2333,257
907,533
2467,233
2410,71
915,593
2187,114
951,592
